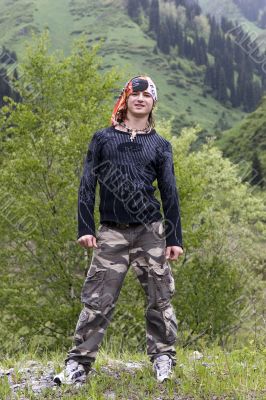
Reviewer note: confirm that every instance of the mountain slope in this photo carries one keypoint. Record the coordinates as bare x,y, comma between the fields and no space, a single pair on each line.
245,144
126,46
230,10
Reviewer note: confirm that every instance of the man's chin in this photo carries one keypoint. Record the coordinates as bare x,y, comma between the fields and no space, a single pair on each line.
139,113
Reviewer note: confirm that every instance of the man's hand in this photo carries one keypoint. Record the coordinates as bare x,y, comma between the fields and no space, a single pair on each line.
87,241
173,252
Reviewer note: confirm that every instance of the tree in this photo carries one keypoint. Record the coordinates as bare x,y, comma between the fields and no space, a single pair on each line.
145,4
154,17
44,140
200,51
217,211
257,174
164,38
133,9
221,87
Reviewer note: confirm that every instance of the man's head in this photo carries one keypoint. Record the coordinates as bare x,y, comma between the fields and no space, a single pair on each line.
138,90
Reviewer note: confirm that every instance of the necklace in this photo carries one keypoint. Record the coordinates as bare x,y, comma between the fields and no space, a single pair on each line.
133,132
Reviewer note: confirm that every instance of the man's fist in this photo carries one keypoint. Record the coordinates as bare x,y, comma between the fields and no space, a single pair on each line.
87,241
173,252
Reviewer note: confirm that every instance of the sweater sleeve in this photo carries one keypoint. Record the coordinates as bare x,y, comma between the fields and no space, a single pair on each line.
169,196
87,190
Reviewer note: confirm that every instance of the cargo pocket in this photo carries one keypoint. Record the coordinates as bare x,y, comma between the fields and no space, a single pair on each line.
164,283
84,317
91,292
172,281
170,323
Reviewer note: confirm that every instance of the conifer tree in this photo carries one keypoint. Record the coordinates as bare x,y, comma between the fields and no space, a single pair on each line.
221,86
164,38
133,9
257,175
154,17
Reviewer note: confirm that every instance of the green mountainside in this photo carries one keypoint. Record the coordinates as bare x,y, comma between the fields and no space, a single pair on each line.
126,47
245,144
232,10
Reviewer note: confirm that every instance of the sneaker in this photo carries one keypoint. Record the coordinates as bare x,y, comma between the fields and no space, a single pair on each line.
72,373
162,366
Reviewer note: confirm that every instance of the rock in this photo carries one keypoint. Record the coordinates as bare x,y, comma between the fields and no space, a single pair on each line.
37,377
4,372
32,363
110,395
133,365
208,365
196,355
31,374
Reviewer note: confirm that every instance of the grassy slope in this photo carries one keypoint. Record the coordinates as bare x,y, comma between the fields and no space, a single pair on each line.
240,142
218,375
125,47
229,9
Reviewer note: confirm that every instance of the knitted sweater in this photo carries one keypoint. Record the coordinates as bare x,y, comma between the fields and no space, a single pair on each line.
126,171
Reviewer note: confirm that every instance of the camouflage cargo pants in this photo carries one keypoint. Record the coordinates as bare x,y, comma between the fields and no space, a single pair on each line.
143,248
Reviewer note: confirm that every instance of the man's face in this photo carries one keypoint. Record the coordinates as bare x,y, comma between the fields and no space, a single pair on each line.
140,103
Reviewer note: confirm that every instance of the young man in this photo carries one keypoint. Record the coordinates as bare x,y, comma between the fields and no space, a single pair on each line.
125,159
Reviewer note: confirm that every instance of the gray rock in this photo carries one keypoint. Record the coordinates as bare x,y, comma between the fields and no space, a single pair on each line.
208,365
110,395
30,374
196,355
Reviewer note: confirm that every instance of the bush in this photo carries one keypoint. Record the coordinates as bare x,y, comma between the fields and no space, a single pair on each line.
44,140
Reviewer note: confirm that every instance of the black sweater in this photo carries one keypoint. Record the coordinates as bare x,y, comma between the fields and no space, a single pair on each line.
126,171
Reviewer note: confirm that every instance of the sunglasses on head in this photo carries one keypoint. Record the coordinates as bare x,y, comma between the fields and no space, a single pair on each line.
139,84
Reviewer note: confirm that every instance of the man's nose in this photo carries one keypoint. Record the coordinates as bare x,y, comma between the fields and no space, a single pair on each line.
140,96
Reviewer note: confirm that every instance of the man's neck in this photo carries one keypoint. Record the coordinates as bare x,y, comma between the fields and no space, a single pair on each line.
136,123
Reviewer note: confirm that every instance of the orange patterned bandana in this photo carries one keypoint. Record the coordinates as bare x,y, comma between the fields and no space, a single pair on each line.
136,84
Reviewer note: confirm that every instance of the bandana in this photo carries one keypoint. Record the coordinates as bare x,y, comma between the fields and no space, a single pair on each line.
137,84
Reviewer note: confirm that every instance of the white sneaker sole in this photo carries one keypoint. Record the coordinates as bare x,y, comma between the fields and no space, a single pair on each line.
161,380
60,379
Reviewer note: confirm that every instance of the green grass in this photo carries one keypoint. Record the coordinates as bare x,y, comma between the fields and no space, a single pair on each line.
238,375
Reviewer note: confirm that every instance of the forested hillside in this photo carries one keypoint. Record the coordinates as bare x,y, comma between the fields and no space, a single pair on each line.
179,28
8,72
253,10
133,43
246,143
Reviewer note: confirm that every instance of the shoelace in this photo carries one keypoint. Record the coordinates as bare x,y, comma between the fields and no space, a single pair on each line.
71,366
163,366
73,369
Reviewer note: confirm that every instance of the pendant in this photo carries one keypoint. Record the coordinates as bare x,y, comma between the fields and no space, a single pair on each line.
133,135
